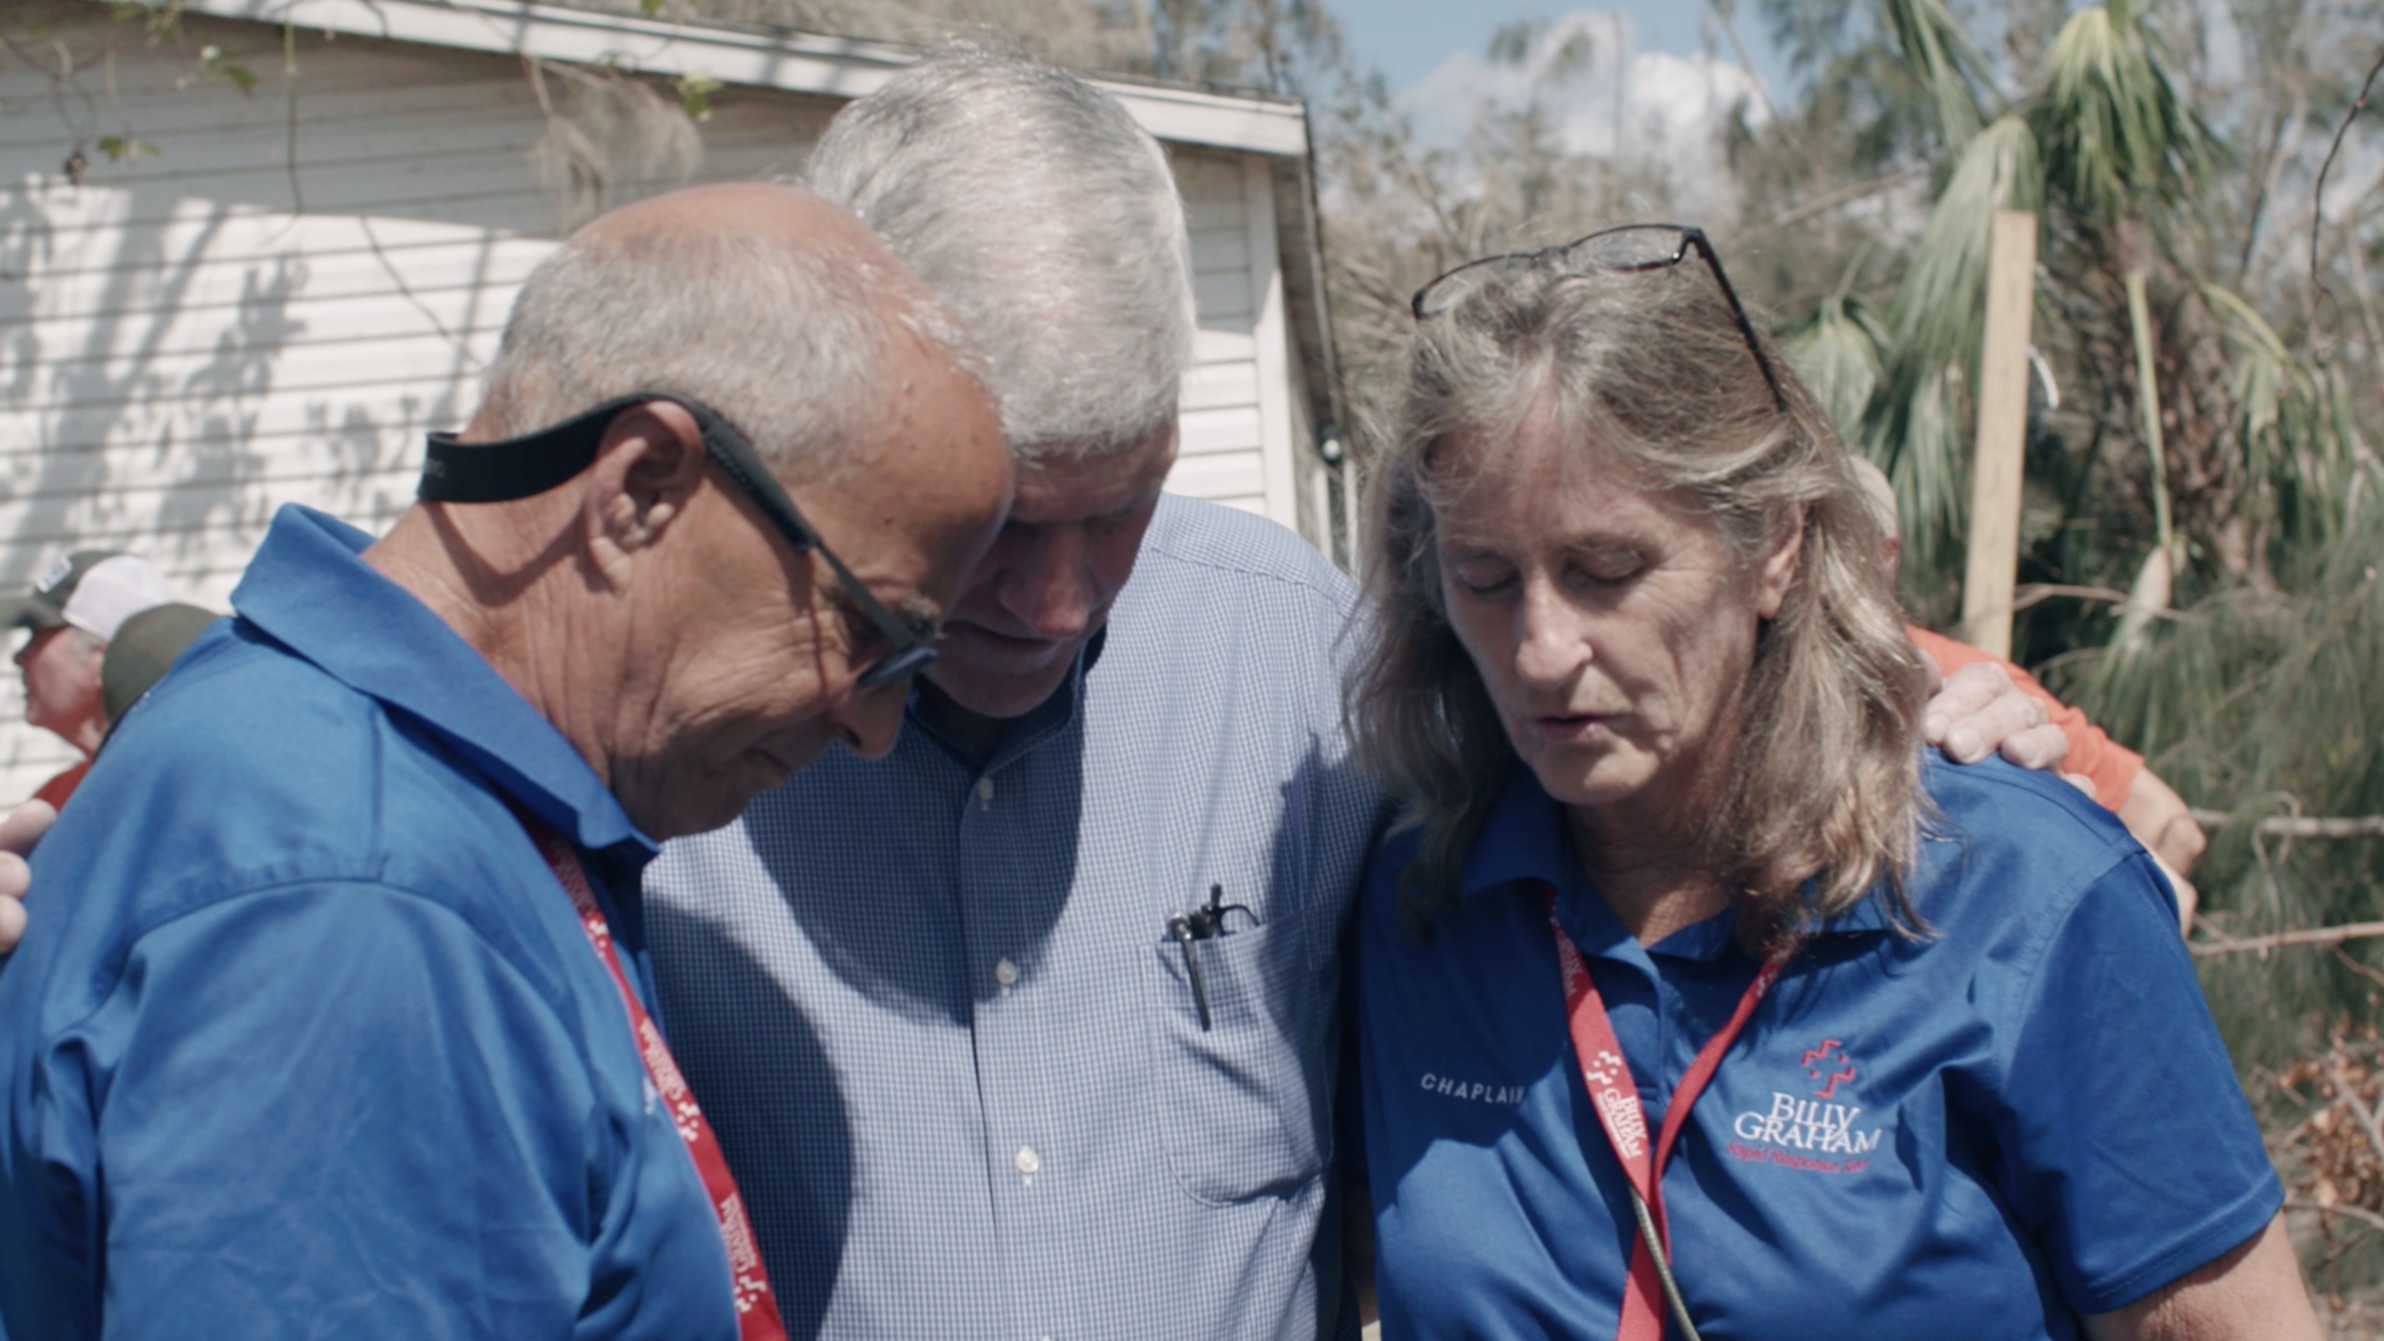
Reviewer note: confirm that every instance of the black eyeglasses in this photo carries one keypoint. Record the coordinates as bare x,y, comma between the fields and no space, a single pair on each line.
1629,247
496,472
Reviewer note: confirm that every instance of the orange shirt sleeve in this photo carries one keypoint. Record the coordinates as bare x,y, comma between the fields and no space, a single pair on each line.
2111,766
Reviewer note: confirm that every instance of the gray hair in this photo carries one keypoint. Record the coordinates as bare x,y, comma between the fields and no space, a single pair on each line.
1048,220
790,342
1823,779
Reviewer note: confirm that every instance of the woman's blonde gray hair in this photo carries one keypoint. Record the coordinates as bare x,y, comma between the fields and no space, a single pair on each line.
1649,375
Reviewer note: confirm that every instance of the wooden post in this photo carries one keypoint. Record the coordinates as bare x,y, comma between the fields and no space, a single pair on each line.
1996,458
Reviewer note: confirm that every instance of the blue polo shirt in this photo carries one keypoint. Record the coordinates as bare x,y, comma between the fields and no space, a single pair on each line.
305,1038
2023,1117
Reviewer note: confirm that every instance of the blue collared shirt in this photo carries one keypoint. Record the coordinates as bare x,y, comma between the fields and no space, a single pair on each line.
2024,1117
934,1014
305,1039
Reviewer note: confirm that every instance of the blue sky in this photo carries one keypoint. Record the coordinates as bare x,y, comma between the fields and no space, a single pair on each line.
1652,87
1406,39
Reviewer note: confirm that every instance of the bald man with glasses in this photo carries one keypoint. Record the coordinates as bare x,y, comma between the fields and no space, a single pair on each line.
337,1018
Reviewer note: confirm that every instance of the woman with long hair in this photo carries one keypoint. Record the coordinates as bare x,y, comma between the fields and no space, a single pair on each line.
1693,1000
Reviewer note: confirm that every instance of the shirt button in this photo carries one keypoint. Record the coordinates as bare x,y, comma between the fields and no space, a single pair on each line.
985,791
1005,973
1028,1162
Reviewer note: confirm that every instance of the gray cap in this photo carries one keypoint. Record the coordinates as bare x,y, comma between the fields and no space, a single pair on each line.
143,650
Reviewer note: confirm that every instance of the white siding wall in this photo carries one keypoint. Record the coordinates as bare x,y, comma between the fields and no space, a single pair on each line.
1226,418
183,348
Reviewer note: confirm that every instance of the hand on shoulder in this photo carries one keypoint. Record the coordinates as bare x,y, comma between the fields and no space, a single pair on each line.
18,833
1978,711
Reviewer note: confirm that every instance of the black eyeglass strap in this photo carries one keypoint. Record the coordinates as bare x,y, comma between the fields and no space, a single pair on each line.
499,472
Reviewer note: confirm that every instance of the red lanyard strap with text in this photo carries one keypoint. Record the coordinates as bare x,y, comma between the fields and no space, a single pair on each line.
757,1307
1615,1096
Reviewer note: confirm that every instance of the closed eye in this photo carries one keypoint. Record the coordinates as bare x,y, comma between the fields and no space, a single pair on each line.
865,641
1482,576
1609,567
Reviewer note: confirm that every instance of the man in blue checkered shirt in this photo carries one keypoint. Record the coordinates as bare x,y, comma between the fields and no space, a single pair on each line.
940,1007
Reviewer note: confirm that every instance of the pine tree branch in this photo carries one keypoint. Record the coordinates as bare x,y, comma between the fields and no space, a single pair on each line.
2294,826
2220,944
2359,1213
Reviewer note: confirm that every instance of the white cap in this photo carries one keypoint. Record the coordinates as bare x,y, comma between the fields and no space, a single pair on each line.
112,591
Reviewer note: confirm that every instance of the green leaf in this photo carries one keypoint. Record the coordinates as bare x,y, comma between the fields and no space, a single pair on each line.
215,60
161,19
123,148
695,89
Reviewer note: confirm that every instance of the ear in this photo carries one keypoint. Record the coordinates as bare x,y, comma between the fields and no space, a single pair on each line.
1776,571
647,468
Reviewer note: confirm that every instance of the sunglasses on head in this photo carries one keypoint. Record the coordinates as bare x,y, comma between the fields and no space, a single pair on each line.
1627,248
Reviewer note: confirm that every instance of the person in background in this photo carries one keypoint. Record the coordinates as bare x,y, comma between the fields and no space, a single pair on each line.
142,651
74,611
1694,997
2148,806
340,1021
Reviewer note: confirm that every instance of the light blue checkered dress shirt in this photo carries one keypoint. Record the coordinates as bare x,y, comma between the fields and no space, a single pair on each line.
935,1017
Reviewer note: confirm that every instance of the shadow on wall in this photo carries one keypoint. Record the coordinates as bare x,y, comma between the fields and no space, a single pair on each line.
146,409
196,333
185,344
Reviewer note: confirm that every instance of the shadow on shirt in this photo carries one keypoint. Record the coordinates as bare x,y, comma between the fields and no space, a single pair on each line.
745,1071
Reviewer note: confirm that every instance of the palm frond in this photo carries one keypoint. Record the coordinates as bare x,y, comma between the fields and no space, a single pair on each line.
1837,354
1917,426
1944,61
2295,432
2118,139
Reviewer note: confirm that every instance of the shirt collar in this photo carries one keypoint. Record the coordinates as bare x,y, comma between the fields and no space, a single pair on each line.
1526,851
1525,841
1038,724
310,590
1864,918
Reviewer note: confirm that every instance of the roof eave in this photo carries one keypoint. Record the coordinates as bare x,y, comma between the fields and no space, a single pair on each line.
743,54
807,63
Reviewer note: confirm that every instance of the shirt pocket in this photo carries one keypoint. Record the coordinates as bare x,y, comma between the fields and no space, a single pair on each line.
1241,1107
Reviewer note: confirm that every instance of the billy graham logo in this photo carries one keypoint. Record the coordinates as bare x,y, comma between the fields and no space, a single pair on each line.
1618,1105
1804,1131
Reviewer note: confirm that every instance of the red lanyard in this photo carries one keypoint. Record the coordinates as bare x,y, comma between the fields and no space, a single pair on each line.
1616,1098
757,1308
